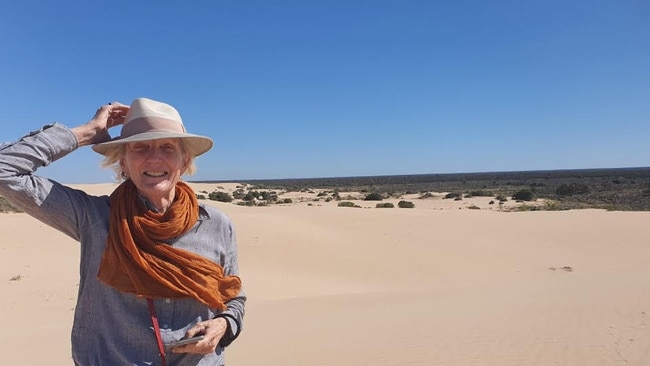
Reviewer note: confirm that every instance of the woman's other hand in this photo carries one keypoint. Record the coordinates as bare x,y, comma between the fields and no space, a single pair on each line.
212,329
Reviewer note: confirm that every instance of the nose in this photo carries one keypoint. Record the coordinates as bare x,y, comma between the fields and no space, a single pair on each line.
155,154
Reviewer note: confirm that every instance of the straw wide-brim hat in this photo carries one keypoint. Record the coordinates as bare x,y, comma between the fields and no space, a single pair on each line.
152,120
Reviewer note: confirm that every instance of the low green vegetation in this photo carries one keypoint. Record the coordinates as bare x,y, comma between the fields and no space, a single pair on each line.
524,195
374,197
385,205
453,195
611,189
480,193
5,206
347,204
220,196
571,189
405,204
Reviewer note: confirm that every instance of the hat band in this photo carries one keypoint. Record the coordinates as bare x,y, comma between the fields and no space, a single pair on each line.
151,124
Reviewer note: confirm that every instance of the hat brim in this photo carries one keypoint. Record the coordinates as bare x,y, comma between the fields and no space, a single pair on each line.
196,144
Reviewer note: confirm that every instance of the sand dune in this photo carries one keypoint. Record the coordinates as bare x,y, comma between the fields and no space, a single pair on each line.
433,285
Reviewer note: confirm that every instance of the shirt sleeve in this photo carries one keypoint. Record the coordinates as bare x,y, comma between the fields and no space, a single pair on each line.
234,314
48,201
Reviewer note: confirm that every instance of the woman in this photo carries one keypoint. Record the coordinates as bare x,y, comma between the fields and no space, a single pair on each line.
156,266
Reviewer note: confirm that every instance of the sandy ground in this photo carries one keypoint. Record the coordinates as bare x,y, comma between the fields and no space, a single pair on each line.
439,284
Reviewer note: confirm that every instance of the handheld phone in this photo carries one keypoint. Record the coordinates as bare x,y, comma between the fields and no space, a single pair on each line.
185,341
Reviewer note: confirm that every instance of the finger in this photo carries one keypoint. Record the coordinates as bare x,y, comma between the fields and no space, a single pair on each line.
116,113
102,112
195,330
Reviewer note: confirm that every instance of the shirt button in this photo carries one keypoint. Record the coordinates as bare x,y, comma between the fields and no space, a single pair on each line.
167,301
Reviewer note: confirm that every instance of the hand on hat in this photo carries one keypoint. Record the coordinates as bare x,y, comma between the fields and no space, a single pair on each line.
96,130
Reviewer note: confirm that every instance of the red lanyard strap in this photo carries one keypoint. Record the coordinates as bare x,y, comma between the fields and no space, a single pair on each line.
156,328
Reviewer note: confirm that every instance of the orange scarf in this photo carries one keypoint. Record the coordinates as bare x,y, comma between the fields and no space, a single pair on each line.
137,261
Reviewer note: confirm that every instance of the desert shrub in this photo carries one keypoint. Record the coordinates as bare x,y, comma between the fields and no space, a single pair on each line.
238,194
5,206
286,200
501,198
385,205
571,189
200,196
328,199
427,195
220,196
474,207
405,204
453,195
373,197
524,195
481,193
250,196
347,204
321,194
458,199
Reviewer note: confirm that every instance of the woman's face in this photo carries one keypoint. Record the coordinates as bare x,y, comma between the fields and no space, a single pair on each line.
155,167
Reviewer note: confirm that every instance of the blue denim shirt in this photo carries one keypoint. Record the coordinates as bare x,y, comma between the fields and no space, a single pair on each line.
112,328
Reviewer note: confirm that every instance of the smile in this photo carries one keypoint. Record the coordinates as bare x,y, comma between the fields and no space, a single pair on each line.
155,173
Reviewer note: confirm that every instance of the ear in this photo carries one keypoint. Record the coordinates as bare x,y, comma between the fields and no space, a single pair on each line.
123,167
186,163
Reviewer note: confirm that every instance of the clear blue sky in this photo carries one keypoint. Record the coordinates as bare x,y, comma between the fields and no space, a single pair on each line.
306,88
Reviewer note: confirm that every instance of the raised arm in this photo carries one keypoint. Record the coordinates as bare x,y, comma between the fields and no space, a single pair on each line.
47,200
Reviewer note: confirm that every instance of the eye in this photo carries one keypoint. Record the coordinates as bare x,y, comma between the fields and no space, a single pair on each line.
139,148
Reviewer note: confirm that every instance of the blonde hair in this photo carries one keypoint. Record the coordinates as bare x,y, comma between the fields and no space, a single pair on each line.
115,153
